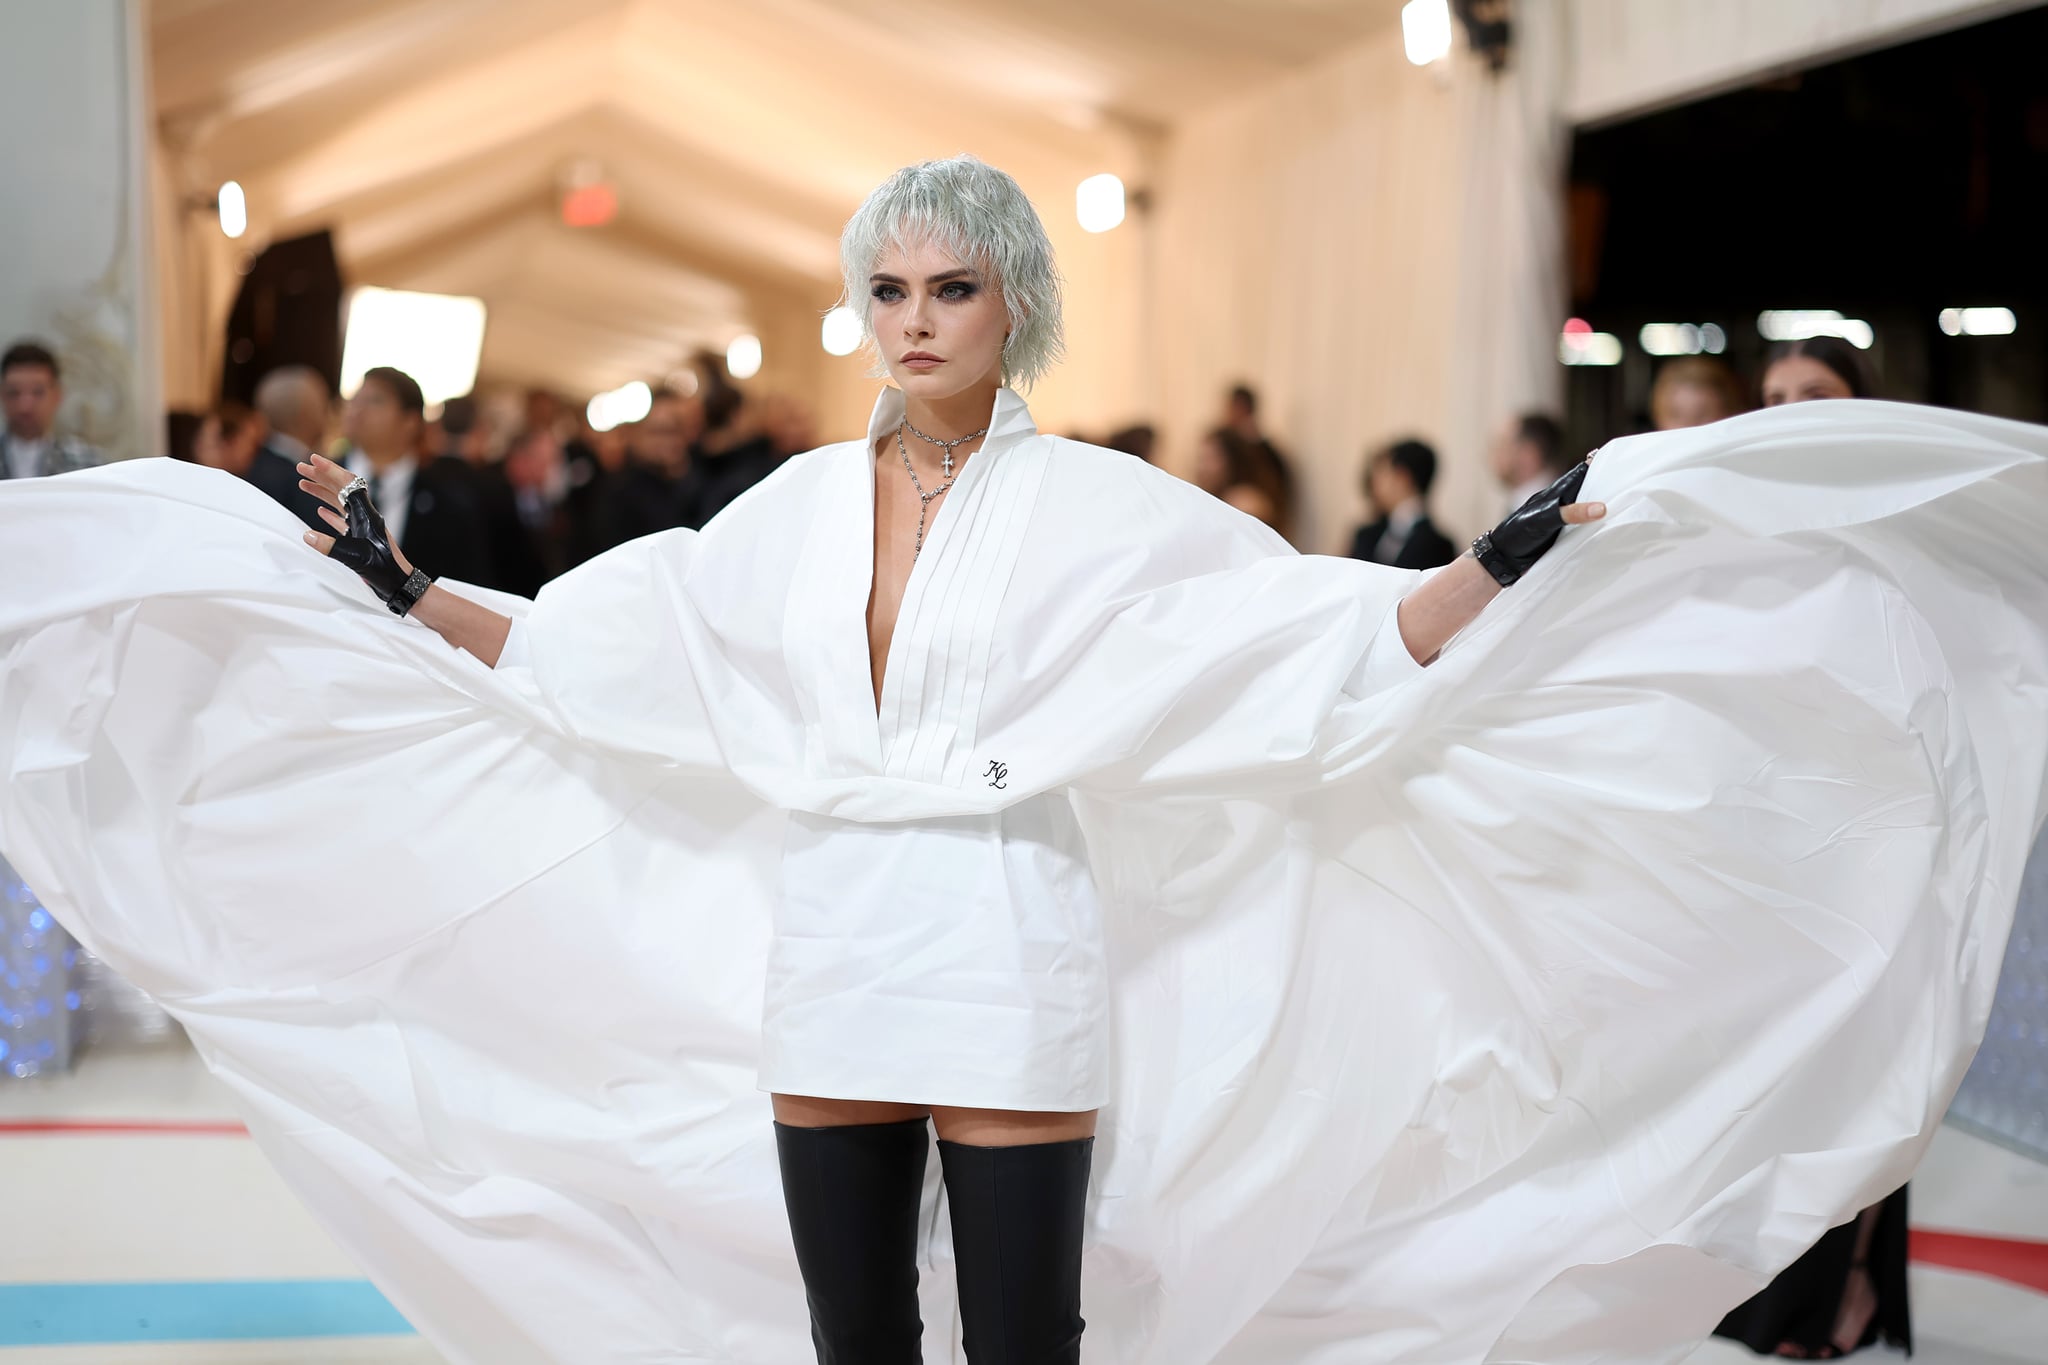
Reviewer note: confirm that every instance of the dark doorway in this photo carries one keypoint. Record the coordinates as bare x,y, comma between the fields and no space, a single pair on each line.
1886,188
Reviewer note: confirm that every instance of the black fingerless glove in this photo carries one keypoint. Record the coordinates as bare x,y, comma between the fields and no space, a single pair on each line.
367,549
1509,549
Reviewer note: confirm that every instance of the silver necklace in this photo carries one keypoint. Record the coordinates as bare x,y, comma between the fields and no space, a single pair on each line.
947,462
924,499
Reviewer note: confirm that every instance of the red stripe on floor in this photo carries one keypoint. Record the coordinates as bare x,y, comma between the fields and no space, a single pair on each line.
2013,1259
121,1128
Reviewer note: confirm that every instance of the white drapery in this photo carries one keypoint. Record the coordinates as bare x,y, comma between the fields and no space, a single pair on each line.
1379,251
1628,57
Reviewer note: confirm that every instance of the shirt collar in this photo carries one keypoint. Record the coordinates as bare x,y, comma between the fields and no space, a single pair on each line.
1402,519
1009,423
290,445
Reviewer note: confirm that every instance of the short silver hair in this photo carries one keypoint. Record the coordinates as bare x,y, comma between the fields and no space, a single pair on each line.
980,215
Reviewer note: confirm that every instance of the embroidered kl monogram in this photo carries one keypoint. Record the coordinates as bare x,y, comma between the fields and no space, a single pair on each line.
997,774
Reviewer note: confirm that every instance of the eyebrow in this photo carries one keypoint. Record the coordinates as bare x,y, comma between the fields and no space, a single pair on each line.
958,272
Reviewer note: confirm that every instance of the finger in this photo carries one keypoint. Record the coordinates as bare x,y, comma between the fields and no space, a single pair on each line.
326,472
321,491
1579,513
334,519
323,544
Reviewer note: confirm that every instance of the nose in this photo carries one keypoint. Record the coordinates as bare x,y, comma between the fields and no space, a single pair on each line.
917,321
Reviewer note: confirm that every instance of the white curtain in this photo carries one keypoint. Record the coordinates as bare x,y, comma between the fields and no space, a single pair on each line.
1377,249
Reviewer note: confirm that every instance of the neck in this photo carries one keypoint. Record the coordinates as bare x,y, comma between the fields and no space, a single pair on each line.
950,418
381,460
27,437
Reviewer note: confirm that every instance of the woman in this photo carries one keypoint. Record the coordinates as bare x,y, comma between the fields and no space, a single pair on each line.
959,300
963,776
1233,469
1815,367
1692,391
1849,1291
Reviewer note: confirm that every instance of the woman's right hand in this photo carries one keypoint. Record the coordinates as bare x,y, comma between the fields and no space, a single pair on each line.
360,539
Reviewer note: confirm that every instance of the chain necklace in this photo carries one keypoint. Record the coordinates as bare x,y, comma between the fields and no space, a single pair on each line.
924,499
947,445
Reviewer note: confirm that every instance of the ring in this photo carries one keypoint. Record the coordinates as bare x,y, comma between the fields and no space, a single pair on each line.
357,485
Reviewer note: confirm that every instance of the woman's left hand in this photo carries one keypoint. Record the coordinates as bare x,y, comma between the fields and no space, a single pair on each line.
361,540
1511,548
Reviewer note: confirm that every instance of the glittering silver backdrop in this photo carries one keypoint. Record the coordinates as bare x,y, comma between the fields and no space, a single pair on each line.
2005,1096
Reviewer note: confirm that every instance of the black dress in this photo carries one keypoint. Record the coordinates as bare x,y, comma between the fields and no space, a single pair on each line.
1799,1307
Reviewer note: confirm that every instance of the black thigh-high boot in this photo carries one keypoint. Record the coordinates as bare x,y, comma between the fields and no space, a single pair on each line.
1017,1219
852,1197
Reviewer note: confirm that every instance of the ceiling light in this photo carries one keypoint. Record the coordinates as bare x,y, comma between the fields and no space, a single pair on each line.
1588,347
1426,30
436,338
234,209
1797,324
1099,203
618,407
743,356
1671,338
840,331
1979,322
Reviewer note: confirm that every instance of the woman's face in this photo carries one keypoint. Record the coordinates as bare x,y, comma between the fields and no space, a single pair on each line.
1801,379
1387,485
940,325
1690,405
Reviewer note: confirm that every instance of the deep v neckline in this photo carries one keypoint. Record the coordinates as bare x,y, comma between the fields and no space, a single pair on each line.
936,533
936,665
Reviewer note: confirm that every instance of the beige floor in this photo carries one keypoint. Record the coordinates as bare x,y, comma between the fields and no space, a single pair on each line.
208,1207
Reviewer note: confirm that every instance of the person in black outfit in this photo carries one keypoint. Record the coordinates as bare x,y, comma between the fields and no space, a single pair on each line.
1849,1290
654,491
1241,415
433,517
528,527
293,404
588,497
1397,482
732,455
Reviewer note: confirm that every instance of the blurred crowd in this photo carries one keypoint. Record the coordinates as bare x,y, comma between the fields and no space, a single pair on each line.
509,492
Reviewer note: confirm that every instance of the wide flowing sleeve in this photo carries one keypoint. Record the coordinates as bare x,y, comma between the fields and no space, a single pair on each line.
1642,938
1254,678
1187,649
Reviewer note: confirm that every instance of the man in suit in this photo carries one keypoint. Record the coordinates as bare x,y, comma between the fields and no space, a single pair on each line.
31,391
293,404
1397,482
1528,455
521,500
434,519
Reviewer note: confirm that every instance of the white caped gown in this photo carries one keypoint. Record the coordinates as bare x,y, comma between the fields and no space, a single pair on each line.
1533,1007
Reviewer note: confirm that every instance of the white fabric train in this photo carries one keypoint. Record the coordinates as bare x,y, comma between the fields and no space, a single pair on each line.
1532,1008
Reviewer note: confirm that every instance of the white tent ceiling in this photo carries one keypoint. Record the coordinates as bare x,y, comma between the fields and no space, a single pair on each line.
432,135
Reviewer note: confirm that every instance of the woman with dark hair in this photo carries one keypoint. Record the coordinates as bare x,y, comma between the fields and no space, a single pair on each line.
1815,367
1235,470
1849,1290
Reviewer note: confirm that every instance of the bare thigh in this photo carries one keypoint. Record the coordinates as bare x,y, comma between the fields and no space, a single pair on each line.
969,1127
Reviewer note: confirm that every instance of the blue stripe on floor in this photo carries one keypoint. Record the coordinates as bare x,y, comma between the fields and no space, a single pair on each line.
204,1310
